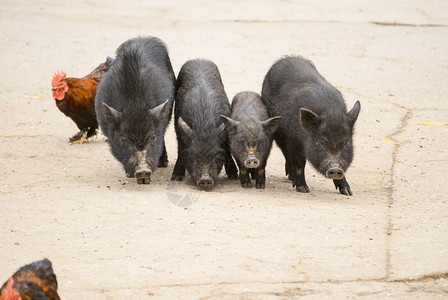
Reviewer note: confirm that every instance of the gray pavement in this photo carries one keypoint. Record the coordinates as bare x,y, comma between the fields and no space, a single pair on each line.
109,238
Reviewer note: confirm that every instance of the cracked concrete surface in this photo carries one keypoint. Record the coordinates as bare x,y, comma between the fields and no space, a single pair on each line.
109,238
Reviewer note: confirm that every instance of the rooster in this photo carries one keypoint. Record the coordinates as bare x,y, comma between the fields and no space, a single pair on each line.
35,281
75,97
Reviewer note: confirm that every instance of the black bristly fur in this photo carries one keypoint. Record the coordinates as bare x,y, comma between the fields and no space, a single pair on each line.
250,134
315,124
140,80
200,100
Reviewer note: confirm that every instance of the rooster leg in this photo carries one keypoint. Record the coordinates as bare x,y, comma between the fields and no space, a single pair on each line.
79,138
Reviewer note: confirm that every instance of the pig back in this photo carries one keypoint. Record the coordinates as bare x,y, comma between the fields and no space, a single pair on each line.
200,95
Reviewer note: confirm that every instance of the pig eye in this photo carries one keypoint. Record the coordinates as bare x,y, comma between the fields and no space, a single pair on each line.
151,138
125,140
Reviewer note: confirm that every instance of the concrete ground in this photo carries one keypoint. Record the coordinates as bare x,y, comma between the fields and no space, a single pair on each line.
109,238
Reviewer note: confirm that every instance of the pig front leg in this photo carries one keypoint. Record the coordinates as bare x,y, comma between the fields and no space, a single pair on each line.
245,178
230,167
298,171
252,173
343,186
163,161
290,170
179,171
260,178
179,168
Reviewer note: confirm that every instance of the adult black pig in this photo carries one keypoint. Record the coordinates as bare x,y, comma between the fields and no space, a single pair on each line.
202,141
250,135
315,124
134,105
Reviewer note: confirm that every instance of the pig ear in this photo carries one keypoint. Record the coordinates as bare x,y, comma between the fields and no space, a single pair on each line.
228,122
309,120
184,127
353,114
271,125
160,111
111,114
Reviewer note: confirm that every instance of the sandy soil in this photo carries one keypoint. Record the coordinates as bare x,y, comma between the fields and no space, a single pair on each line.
109,238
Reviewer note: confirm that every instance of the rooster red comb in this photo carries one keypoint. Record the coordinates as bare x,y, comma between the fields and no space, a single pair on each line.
9,292
58,76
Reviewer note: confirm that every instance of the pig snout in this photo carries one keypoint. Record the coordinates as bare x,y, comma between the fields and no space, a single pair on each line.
205,182
335,173
143,172
251,162
143,175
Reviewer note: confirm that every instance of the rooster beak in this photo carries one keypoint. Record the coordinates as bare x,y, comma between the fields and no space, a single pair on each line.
53,89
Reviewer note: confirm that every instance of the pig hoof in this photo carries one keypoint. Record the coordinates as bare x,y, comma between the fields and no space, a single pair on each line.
163,163
246,184
302,189
260,185
143,180
345,191
343,186
177,177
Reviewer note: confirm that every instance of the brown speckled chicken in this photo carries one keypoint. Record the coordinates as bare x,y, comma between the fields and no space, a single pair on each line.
75,97
35,281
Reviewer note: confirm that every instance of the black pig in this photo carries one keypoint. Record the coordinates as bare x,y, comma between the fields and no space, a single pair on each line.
202,141
315,124
250,135
134,105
